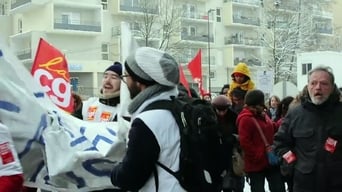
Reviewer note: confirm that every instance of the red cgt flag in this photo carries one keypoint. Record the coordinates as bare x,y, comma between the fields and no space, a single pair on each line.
50,70
195,68
183,80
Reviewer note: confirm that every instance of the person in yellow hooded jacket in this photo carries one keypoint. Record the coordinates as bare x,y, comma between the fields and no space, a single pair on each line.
241,77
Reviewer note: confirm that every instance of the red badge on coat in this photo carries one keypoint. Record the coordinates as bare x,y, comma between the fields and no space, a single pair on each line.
330,145
289,157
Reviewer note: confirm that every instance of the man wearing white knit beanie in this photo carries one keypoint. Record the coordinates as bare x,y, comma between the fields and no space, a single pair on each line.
150,75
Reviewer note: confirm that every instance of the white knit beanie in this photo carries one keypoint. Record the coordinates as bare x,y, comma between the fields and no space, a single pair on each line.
150,66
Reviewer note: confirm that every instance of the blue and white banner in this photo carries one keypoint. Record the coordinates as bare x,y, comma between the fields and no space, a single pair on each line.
57,151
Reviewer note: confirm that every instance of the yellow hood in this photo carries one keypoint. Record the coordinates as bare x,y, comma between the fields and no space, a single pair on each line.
242,68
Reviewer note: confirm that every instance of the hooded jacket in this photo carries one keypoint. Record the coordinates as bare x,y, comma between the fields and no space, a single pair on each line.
251,141
247,85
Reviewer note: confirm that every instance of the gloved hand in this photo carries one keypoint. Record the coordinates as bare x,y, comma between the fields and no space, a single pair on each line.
286,169
273,159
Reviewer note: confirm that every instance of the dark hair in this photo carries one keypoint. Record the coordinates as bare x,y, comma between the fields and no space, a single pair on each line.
225,86
255,97
238,93
182,92
283,107
77,100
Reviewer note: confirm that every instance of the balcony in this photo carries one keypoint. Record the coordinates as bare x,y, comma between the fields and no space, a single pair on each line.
324,30
187,59
288,7
247,2
200,38
246,20
18,3
193,15
24,54
248,61
78,26
249,41
139,9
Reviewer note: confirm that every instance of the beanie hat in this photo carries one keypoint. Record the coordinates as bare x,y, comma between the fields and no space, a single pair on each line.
255,97
242,68
221,101
152,66
116,68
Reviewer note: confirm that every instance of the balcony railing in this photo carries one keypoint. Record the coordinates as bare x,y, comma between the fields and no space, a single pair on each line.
187,59
193,15
242,41
24,54
202,38
248,61
18,3
324,30
83,26
289,7
248,2
116,31
246,20
140,9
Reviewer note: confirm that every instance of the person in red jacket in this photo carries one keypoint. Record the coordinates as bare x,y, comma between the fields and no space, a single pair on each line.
257,166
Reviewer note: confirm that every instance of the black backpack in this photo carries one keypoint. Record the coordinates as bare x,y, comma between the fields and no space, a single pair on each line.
201,155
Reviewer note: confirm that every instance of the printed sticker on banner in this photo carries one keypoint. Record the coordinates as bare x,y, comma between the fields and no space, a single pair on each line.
330,145
91,113
105,116
6,153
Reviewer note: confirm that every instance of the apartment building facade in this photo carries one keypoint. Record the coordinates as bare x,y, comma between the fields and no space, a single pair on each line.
88,33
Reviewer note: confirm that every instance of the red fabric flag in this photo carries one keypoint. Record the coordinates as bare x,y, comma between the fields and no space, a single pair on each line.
50,69
195,68
183,80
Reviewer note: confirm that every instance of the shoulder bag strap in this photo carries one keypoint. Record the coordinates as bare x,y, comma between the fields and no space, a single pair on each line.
261,132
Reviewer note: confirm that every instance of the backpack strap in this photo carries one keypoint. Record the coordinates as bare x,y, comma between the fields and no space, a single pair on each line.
167,105
156,179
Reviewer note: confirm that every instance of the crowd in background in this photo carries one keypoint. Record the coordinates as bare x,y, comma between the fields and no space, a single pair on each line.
292,142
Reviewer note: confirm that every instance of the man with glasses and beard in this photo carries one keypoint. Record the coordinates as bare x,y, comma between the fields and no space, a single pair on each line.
150,75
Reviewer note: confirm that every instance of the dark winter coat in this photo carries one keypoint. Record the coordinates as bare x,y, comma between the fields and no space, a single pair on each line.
304,131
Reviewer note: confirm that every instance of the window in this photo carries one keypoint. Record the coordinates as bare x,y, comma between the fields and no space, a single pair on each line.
71,18
192,31
218,15
306,67
2,9
104,4
74,81
184,31
65,18
192,11
218,12
105,51
20,25
212,74
135,26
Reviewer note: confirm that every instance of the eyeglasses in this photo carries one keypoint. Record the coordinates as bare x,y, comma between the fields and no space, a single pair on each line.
124,78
